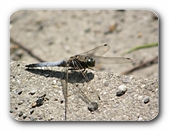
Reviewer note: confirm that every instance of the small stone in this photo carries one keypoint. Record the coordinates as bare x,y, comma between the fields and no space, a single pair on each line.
33,104
20,102
19,92
32,92
31,111
20,113
67,48
55,99
140,97
120,93
54,82
92,106
143,85
32,119
39,102
146,100
122,88
61,101
18,81
87,30
110,29
52,117
126,79
24,116
19,53
106,84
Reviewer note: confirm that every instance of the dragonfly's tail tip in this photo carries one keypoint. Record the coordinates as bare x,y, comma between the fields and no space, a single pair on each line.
29,66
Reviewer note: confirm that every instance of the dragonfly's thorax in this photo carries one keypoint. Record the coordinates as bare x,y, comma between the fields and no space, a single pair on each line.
81,62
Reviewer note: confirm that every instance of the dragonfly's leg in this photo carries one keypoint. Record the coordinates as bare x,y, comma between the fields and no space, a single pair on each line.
84,73
84,70
91,68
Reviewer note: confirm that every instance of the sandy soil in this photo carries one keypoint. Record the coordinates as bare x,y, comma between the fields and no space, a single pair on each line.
53,35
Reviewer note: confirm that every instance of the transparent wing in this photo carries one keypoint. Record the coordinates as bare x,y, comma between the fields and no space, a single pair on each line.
112,60
98,51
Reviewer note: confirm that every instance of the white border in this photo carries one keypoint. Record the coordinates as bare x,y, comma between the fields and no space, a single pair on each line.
7,7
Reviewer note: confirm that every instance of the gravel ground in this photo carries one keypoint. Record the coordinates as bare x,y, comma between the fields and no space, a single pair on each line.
36,95
53,35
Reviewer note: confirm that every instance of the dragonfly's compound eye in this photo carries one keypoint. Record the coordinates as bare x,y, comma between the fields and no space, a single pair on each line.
91,62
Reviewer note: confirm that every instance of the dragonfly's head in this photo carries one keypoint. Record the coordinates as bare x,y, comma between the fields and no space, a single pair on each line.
90,62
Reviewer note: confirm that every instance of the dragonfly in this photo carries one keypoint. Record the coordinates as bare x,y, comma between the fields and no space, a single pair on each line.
81,62
85,60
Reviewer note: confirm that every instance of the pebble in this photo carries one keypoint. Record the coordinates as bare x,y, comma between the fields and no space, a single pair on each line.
32,119
54,82
120,93
33,104
67,48
140,97
20,102
126,79
19,92
39,101
110,29
32,92
19,53
24,116
146,100
121,90
92,106
87,30
20,113
106,84
55,99
143,85
31,111
61,101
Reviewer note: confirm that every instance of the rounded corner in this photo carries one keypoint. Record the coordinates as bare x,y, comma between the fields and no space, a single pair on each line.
13,118
155,13
14,12
155,118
